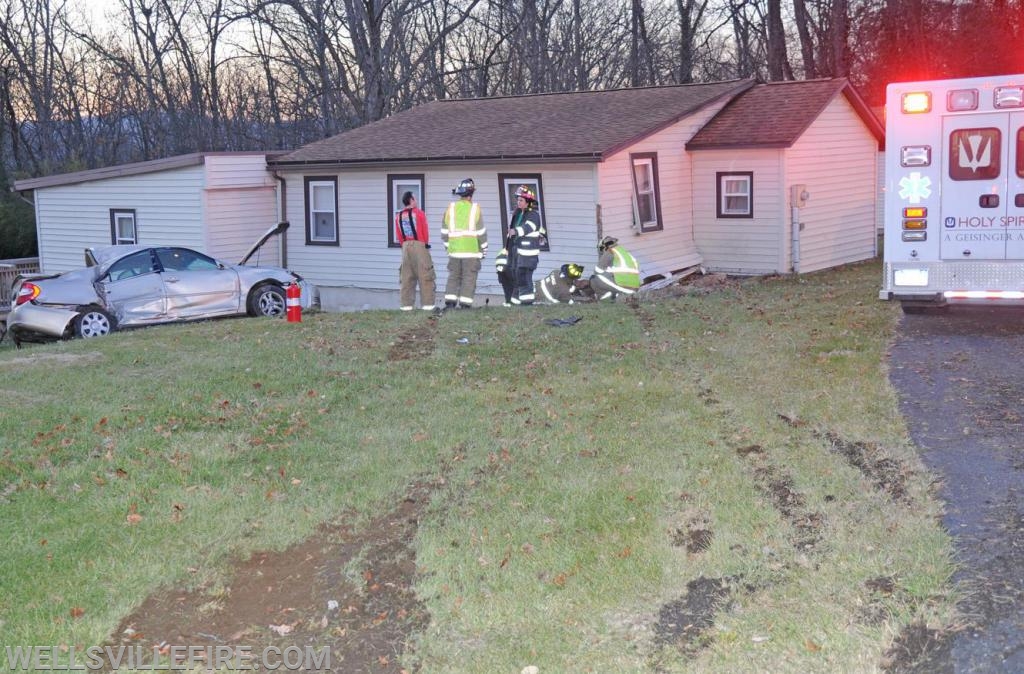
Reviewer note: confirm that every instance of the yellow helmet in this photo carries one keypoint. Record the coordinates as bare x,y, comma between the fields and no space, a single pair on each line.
572,270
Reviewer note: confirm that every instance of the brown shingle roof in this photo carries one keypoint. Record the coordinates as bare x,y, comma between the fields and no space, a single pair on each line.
776,114
569,126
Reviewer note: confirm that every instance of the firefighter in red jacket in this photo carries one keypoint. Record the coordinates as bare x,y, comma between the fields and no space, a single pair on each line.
417,266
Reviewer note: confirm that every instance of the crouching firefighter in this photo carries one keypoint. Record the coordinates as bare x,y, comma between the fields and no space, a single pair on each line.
506,276
617,272
560,285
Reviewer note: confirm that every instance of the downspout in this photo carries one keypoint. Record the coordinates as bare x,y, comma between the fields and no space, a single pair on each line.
798,197
795,238
282,216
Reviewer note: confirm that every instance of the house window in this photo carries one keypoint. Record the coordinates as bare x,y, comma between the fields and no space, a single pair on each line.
508,183
646,192
322,211
397,186
735,195
122,226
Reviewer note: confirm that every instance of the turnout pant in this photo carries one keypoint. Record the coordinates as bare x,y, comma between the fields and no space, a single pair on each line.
417,267
461,286
605,288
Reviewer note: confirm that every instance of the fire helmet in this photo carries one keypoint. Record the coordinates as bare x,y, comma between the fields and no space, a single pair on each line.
526,193
572,270
606,243
465,188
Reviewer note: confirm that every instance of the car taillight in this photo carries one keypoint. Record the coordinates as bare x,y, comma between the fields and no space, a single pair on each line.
27,293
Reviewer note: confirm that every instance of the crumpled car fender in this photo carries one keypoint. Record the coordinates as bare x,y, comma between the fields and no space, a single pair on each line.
45,320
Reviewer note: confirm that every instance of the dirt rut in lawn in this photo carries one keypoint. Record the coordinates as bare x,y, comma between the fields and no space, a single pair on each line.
347,591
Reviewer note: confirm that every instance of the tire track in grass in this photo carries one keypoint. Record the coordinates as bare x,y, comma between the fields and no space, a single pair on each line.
347,590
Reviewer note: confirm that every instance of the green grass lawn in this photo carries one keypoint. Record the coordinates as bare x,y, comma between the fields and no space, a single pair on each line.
576,464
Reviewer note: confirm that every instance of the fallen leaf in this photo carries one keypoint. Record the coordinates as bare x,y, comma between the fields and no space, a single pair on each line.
77,612
281,629
811,646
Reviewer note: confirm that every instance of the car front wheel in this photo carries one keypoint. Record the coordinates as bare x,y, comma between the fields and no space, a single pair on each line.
93,322
267,300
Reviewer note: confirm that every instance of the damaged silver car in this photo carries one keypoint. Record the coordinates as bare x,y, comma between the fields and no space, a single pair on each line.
132,285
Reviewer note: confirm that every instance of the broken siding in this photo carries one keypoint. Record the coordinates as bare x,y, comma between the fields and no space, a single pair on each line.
673,247
741,245
363,258
168,210
836,158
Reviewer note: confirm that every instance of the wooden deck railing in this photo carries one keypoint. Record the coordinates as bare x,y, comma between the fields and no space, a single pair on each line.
9,270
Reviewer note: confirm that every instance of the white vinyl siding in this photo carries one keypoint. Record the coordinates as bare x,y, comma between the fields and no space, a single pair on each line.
836,158
236,219
219,207
168,211
673,247
733,245
241,204
365,261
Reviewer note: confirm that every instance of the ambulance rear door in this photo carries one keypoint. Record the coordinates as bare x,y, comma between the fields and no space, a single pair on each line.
1015,195
976,169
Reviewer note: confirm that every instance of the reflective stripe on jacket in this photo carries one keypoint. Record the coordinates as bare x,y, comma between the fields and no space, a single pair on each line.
463,230
525,232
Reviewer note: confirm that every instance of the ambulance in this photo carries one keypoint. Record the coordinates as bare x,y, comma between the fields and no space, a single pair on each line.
954,192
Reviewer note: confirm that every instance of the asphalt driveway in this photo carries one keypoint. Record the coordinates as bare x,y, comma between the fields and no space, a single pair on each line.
960,380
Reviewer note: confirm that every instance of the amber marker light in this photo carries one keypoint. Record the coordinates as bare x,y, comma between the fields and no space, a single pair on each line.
916,102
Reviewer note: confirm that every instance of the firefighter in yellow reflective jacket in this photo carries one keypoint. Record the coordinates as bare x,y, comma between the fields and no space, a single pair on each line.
465,239
560,285
617,272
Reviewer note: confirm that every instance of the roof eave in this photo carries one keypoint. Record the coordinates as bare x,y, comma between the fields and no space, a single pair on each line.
562,158
780,145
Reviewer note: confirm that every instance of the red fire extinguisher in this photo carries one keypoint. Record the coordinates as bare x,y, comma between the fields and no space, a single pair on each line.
293,293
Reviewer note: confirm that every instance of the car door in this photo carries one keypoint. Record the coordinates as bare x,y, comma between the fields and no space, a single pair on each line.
133,290
197,286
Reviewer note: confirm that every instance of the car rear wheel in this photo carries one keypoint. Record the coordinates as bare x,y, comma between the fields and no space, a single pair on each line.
93,322
267,300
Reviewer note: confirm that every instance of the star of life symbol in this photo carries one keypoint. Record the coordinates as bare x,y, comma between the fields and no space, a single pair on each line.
915,187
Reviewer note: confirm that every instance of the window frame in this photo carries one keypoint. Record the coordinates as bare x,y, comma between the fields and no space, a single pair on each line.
115,240
995,145
311,182
508,183
720,194
395,200
651,158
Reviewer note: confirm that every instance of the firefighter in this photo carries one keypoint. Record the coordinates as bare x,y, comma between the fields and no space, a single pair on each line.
505,276
560,284
412,234
617,272
525,233
465,239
